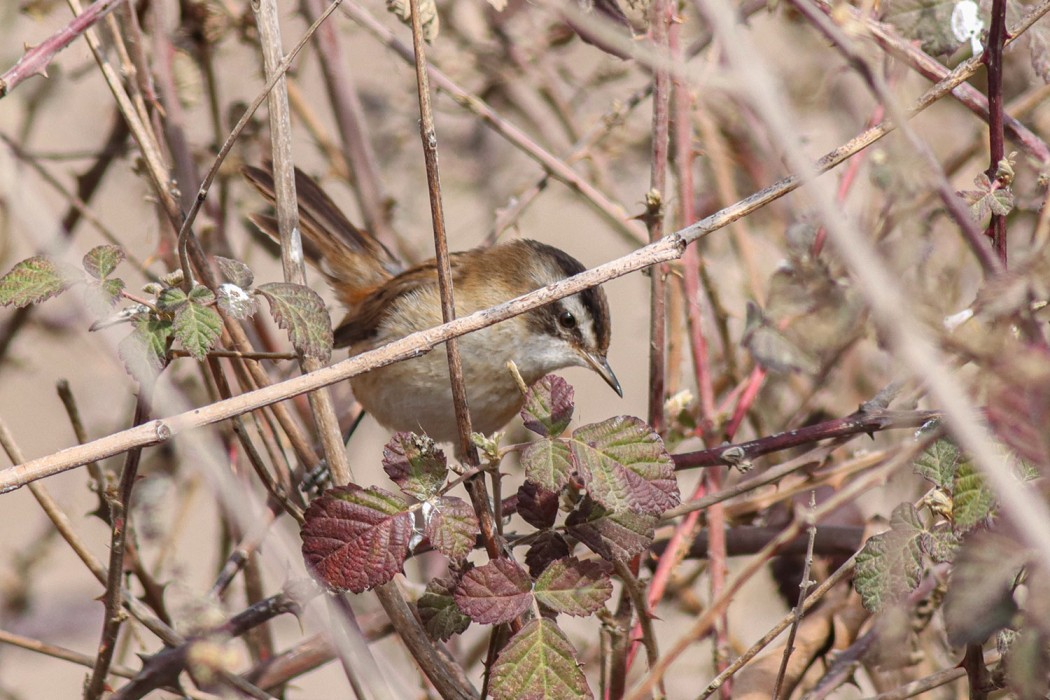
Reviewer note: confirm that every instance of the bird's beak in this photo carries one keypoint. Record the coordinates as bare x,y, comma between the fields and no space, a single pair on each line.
601,365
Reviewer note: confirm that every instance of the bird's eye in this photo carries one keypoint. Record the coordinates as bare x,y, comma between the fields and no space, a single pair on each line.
566,320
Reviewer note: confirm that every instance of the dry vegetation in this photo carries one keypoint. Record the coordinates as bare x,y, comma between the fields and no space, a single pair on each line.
909,281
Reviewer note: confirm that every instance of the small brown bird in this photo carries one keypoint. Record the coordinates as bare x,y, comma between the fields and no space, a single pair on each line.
386,303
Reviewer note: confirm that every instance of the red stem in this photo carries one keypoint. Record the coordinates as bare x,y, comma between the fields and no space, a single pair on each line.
993,58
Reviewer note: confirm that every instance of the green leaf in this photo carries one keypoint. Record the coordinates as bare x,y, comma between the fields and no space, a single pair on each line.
574,587
438,612
145,350
101,260
451,526
355,539
548,463
538,663
415,464
197,326
32,281
548,406
890,566
937,464
973,500
624,466
171,299
235,271
989,198
942,545
301,312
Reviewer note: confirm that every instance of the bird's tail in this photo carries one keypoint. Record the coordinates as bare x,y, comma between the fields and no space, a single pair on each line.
354,262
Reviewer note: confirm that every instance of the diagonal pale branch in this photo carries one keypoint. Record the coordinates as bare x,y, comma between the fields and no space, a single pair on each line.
666,249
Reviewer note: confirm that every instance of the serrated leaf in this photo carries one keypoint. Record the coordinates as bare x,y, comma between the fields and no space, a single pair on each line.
612,536
890,564
235,272
624,466
928,21
171,299
234,301
144,351
355,539
937,464
101,260
973,501
548,463
196,325
452,527
102,295
988,198
415,464
941,545
538,663
494,593
549,546
574,587
1001,201
301,312
173,278
980,595
32,281
438,612
548,406
536,505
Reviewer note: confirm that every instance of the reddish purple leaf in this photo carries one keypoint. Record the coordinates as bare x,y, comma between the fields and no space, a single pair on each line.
548,406
355,539
613,536
548,546
495,593
451,526
624,466
415,464
537,506
574,587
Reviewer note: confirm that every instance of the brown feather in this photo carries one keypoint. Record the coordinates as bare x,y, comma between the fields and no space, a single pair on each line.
354,262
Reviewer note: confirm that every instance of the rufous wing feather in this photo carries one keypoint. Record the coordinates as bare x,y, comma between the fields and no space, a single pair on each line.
352,260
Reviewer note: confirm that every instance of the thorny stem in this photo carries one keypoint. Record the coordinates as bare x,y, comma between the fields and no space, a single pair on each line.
669,248
656,202
804,587
120,512
877,84
36,59
993,58
863,422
